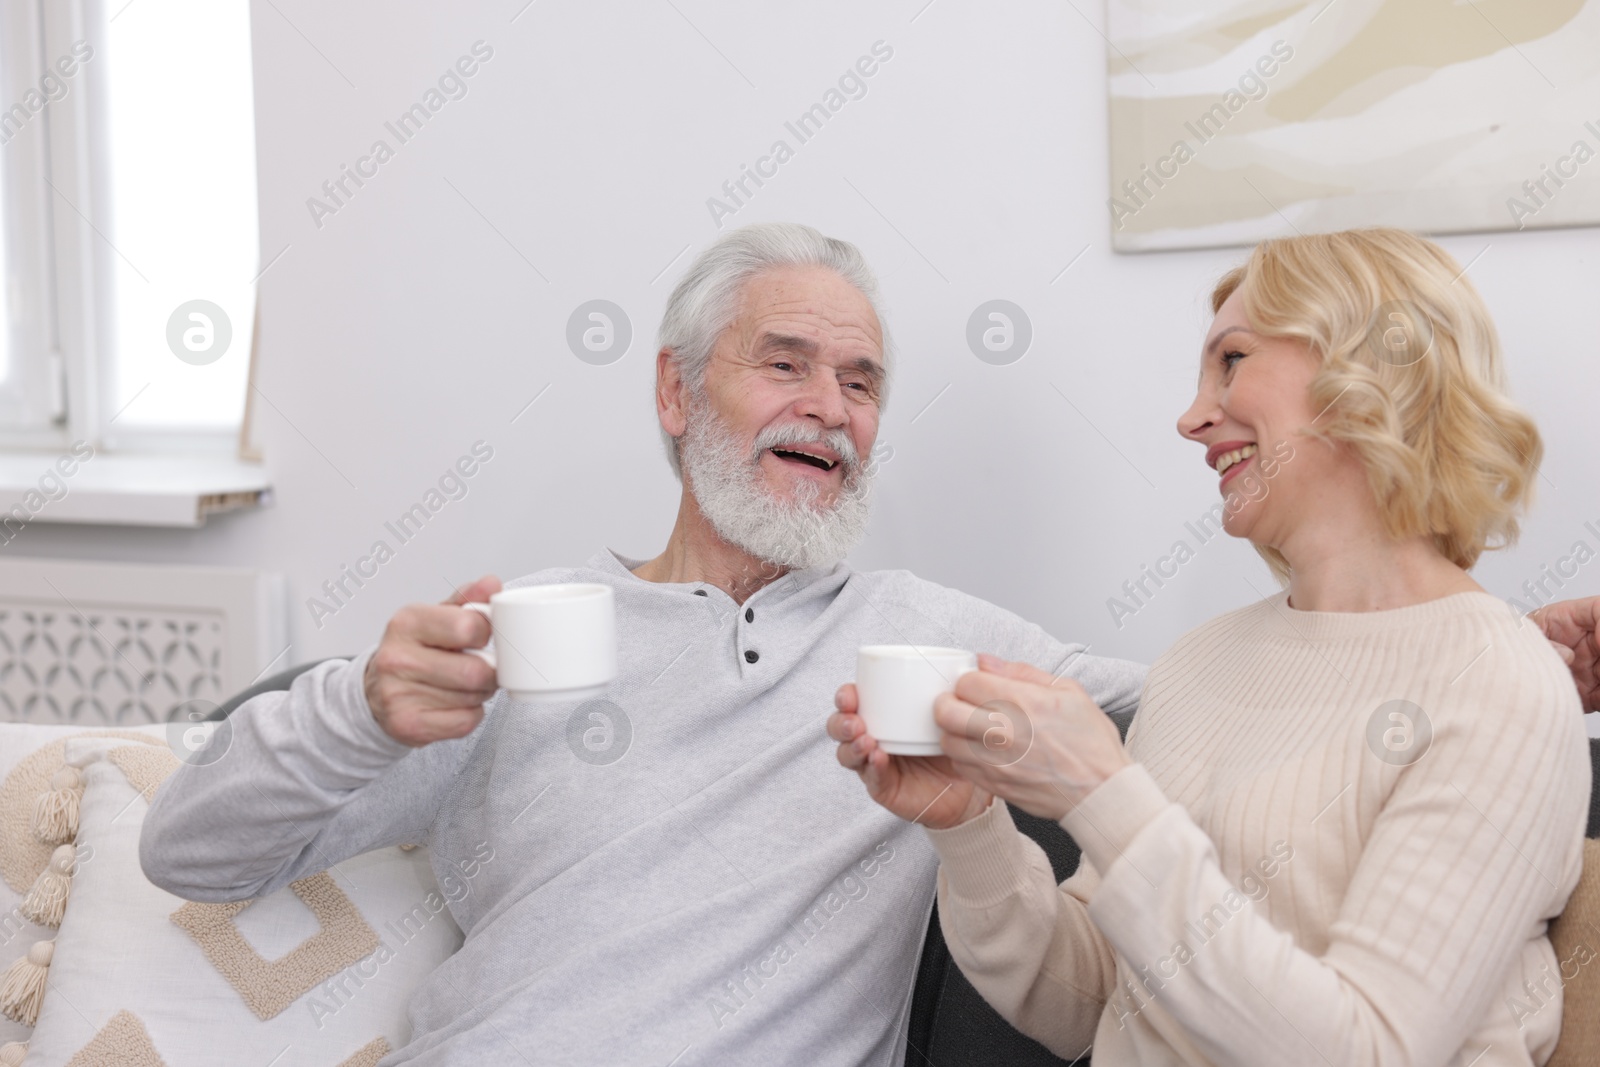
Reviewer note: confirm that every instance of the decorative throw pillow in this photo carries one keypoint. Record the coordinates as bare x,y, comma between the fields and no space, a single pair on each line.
30,756
325,966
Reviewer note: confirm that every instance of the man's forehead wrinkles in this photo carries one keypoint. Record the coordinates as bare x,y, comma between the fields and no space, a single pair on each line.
788,340
809,298
824,316
813,318
803,333
763,334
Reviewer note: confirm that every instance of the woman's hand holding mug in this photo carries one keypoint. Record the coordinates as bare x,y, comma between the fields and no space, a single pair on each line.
1007,730
1037,741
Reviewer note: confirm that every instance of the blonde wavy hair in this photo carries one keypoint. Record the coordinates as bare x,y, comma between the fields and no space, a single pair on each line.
1447,454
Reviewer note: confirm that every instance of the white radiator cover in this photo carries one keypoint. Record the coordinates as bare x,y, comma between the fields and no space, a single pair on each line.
101,644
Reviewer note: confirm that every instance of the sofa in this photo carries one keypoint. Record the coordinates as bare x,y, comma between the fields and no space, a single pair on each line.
99,967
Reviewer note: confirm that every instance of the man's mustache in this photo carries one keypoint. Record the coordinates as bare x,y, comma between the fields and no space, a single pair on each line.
786,436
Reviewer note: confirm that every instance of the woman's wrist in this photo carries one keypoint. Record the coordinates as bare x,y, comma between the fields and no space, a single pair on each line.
977,804
1097,774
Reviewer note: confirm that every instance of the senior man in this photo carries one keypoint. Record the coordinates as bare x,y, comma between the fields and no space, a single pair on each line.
719,894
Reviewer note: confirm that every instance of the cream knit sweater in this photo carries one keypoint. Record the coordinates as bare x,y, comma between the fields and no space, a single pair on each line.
1340,843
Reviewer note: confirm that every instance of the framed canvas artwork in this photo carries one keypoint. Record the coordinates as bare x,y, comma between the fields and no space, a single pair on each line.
1236,120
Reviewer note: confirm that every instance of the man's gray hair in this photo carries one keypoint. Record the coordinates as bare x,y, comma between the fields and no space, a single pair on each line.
706,299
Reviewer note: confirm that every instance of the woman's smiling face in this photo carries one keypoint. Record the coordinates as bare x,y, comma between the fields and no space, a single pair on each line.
1252,403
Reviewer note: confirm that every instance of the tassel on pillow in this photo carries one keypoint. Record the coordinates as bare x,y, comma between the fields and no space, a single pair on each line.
46,902
55,813
22,986
12,1053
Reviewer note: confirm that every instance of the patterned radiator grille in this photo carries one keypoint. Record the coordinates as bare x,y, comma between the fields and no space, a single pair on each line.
104,666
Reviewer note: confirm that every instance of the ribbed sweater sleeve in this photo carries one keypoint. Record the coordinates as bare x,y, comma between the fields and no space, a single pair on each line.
1026,944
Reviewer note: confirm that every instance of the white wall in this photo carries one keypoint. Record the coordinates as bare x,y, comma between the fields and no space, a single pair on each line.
406,328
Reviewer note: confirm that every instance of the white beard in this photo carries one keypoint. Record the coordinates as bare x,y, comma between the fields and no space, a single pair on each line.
796,533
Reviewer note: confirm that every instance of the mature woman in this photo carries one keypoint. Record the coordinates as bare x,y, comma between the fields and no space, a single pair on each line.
1345,814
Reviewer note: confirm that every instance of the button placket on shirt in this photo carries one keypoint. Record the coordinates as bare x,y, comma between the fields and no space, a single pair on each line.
750,654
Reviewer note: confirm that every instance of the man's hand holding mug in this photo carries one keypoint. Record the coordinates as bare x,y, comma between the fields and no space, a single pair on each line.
421,684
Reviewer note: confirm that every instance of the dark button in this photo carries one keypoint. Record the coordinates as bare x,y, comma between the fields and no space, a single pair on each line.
700,592
749,614
751,655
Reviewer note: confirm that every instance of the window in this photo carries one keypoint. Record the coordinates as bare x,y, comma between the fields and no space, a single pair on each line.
31,397
129,223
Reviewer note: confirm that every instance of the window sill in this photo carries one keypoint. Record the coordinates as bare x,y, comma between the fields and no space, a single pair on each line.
128,490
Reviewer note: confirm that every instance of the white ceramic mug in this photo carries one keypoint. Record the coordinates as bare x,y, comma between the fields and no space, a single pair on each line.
897,685
552,642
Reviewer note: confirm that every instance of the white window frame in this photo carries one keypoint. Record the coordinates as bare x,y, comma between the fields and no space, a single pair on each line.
78,261
33,410
148,476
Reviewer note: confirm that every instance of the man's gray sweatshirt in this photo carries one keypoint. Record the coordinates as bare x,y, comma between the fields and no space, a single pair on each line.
682,873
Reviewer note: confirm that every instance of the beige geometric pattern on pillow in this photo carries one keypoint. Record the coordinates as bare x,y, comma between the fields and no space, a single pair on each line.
369,1054
146,767
23,856
269,986
122,1042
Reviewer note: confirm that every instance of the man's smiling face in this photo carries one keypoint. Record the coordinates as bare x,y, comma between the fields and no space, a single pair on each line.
802,362
773,444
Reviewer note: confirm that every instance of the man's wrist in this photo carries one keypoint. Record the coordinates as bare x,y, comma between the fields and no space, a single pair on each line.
367,727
